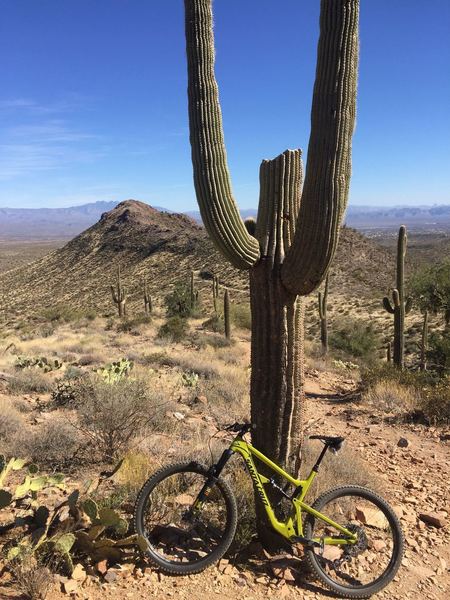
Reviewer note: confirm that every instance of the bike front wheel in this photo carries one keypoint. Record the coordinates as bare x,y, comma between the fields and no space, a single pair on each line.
361,569
184,536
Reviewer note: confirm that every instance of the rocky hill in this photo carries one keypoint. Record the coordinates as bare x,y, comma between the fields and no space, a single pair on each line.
163,248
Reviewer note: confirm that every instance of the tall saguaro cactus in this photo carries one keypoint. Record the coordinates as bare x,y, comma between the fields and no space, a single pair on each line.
323,315
296,232
400,305
119,295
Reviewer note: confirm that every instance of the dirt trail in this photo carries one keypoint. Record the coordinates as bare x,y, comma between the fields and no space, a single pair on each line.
416,479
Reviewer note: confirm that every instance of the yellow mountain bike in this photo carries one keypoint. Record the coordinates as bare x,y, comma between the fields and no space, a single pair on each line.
187,513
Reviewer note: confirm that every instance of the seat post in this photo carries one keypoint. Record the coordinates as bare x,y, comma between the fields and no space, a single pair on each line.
319,460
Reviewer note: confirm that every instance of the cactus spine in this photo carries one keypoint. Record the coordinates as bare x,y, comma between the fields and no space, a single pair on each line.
226,314
424,343
148,305
400,306
293,243
323,314
119,295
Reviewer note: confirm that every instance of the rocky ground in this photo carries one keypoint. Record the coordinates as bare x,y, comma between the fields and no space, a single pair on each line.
410,462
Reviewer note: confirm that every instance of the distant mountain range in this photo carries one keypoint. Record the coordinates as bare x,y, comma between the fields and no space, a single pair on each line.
65,223
161,247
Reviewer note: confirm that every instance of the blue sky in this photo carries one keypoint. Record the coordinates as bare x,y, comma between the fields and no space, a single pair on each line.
93,99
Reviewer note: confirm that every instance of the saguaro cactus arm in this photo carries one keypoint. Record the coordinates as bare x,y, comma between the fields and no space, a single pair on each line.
328,167
219,211
388,306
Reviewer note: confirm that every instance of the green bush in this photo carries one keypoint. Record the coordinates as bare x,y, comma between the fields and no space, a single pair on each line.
439,352
131,325
178,302
431,288
175,328
241,316
355,338
66,314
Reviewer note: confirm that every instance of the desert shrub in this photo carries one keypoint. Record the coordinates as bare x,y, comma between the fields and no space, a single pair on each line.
392,397
175,329
343,468
241,316
178,302
431,392
355,337
32,577
133,325
439,351
64,393
65,314
195,363
215,323
242,486
54,444
430,287
10,421
202,341
28,382
435,401
111,415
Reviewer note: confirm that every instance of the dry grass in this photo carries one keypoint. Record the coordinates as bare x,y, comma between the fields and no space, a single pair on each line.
391,397
29,381
343,468
32,578
54,444
11,422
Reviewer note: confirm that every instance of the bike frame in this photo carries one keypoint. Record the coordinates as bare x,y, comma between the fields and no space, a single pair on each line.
292,528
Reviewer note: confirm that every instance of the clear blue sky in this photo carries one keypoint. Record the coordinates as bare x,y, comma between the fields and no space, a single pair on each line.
93,99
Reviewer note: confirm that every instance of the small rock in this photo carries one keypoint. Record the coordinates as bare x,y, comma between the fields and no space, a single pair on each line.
179,416
79,573
110,577
371,516
403,443
102,567
433,519
70,586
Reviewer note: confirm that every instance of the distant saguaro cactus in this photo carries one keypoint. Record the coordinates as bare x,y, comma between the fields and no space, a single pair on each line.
119,295
148,304
323,315
424,343
193,291
226,314
400,306
296,231
215,290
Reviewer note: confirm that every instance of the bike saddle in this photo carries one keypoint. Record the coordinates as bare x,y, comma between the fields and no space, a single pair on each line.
333,442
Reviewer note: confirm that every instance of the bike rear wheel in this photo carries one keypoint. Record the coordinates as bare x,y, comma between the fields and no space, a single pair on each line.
183,538
362,569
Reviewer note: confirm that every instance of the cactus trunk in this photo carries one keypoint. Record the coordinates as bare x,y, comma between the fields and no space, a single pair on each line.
226,314
401,305
323,314
289,250
119,295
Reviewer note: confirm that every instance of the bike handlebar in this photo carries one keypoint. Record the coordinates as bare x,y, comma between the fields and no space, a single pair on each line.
241,428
